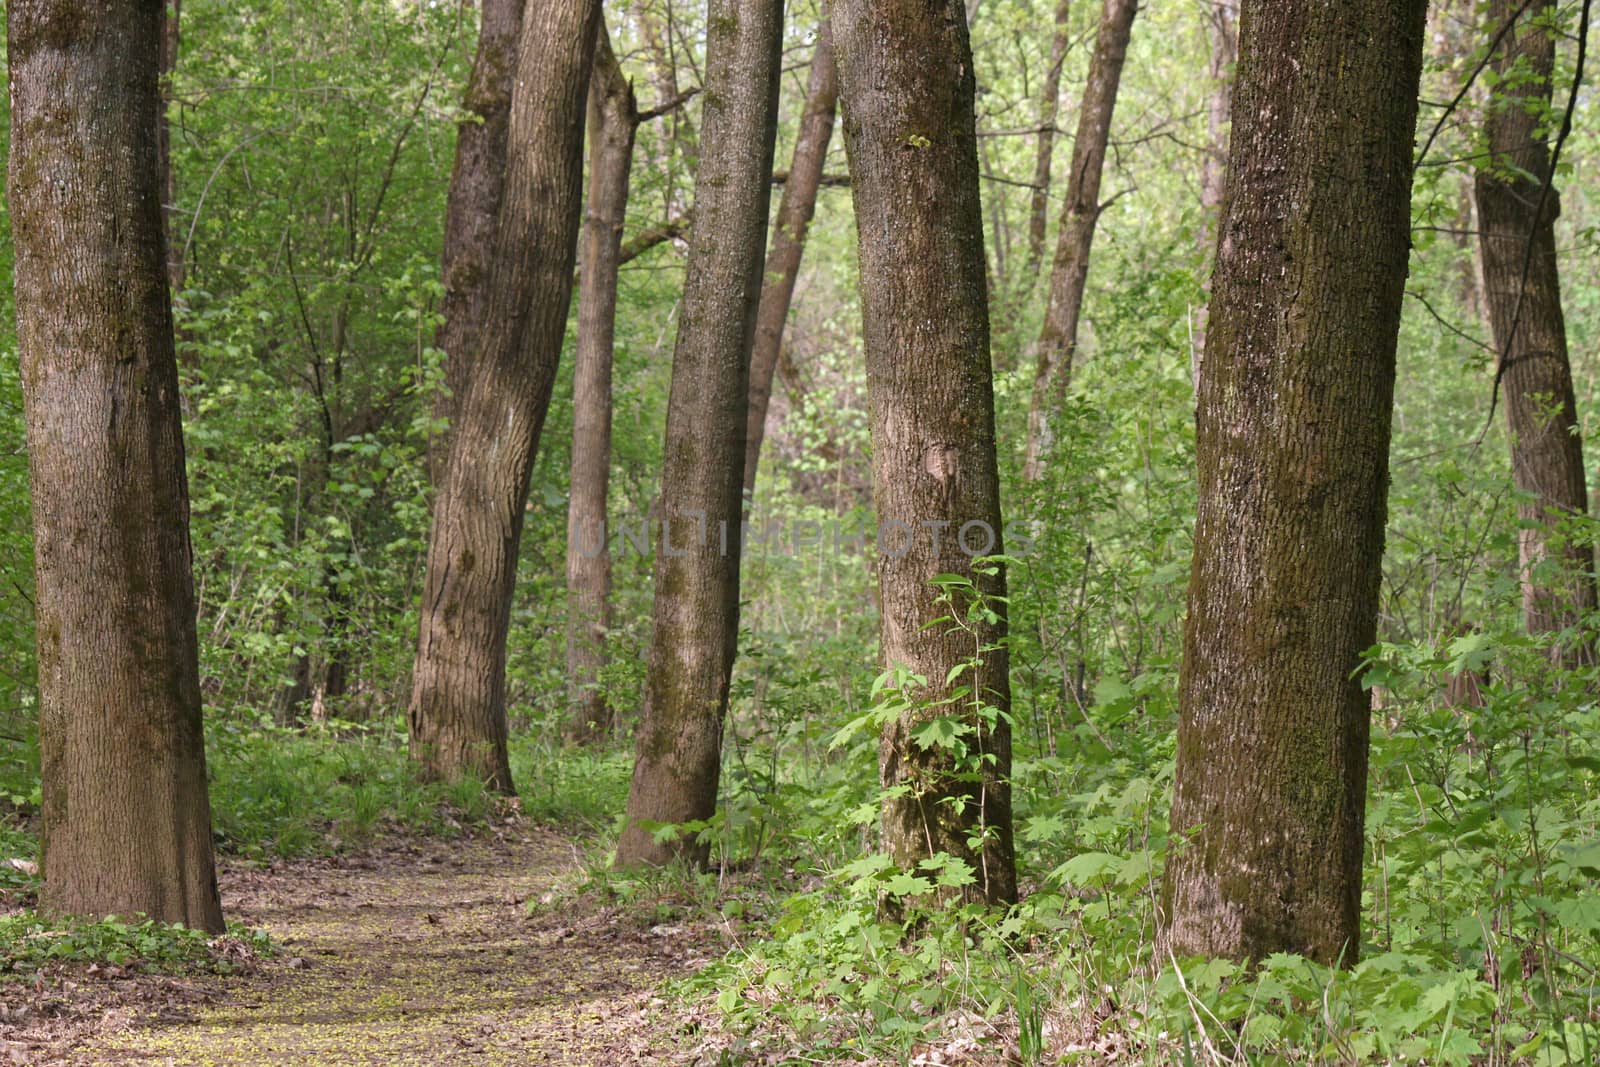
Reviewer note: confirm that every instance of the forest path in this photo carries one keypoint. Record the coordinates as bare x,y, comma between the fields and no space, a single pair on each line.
424,953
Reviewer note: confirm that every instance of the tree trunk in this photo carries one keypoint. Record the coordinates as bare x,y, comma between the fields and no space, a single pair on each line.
799,203
127,824
1222,30
471,212
907,90
1292,448
1044,147
171,12
613,119
1058,340
1529,330
457,714
679,744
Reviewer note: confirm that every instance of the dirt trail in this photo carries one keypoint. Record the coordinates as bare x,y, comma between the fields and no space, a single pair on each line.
423,954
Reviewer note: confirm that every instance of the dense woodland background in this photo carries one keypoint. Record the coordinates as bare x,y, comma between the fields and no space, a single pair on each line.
311,148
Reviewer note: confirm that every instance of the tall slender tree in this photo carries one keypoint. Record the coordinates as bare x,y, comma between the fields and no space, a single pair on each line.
679,746
795,209
907,89
1517,209
127,824
613,120
1292,445
1069,275
472,210
1045,143
457,715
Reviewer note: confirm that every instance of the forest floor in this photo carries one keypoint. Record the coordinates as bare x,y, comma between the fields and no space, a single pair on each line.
420,952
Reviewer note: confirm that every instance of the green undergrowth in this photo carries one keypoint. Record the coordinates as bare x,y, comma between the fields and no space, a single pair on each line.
323,788
1481,915
30,942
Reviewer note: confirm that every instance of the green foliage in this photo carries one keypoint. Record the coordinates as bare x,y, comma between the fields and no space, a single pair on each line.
29,942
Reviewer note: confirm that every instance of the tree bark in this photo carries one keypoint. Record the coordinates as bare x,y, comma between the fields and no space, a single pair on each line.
471,211
1044,147
679,744
457,714
1069,275
1529,330
795,209
171,12
907,89
1292,447
613,120
127,824
1222,31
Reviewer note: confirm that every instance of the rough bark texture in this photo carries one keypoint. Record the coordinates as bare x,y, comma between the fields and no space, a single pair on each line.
1222,31
795,209
457,714
907,92
127,825
472,208
1536,378
1292,446
1044,147
1058,339
171,12
679,746
613,119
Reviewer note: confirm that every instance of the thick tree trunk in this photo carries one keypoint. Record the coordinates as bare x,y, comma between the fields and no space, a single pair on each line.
1529,330
457,714
799,203
679,747
1222,31
613,119
127,824
907,90
1058,339
1044,147
1292,446
471,212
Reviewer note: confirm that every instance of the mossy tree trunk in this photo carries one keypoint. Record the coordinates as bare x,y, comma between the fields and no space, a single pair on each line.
1080,212
1529,330
798,204
1292,447
471,210
907,91
613,120
679,745
127,823
457,715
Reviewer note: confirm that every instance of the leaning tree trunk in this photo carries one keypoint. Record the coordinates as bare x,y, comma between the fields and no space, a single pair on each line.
907,92
457,714
1069,275
1515,207
471,212
795,209
679,747
613,119
1292,446
127,824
